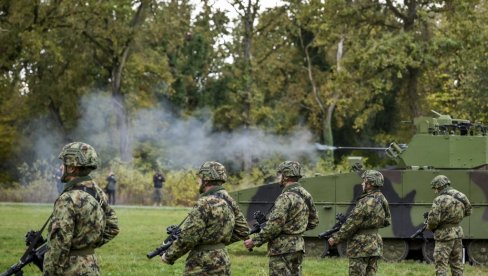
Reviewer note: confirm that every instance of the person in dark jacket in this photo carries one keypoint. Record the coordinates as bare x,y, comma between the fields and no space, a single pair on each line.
158,181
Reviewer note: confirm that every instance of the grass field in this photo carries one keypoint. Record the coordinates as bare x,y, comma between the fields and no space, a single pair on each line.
142,230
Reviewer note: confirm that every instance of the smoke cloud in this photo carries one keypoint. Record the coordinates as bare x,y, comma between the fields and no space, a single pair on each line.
181,142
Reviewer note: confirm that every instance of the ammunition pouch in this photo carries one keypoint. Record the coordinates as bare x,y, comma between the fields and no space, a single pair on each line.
368,231
82,252
208,247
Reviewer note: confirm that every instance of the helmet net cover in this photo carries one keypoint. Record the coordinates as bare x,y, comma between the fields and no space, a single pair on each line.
374,177
290,169
79,154
212,170
440,181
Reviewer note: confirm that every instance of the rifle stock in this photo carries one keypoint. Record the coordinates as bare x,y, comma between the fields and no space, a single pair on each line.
421,230
341,219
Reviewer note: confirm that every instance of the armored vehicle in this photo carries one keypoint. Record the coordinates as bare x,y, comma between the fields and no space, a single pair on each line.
441,145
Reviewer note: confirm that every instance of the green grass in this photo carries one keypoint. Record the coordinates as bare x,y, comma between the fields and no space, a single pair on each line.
142,230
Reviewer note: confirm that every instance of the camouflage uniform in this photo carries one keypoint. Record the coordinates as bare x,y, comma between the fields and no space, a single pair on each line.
79,224
290,217
215,221
447,212
364,244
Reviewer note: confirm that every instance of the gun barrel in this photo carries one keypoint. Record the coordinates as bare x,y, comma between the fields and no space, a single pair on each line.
158,251
16,268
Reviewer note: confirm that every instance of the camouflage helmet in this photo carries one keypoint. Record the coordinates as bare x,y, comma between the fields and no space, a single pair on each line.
79,154
290,169
440,181
212,170
375,178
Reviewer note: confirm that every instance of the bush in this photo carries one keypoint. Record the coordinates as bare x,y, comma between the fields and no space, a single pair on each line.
135,186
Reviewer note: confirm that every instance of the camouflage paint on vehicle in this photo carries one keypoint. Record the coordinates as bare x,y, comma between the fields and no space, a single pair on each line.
455,148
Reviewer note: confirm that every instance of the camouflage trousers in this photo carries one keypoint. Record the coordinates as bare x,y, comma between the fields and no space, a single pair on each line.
286,264
78,266
448,253
211,262
363,266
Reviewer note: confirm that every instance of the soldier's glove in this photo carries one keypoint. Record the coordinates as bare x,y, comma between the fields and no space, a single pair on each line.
426,215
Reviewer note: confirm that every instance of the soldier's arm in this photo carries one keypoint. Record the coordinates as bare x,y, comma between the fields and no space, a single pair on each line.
241,229
434,216
275,223
468,209
59,237
386,207
351,226
111,221
313,216
111,225
191,232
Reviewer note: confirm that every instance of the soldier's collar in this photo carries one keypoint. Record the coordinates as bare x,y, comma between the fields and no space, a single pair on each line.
445,190
212,191
75,181
291,186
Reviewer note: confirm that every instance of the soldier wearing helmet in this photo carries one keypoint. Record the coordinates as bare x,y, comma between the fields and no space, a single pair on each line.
364,244
81,220
447,212
214,222
293,213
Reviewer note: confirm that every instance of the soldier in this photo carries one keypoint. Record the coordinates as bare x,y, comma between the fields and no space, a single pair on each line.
447,212
364,244
293,213
214,222
81,220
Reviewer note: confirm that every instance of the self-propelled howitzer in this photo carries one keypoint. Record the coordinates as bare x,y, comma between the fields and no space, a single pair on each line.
456,148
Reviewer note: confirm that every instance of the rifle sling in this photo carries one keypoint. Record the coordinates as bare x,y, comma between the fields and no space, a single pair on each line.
309,204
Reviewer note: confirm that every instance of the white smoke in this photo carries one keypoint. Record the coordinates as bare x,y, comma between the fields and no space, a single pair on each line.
181,142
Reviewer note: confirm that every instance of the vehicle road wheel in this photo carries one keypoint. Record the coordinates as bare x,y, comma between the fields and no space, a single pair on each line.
342,249
394,250
428,251
478,252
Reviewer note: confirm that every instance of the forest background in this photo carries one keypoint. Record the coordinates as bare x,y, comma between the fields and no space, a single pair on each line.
169,84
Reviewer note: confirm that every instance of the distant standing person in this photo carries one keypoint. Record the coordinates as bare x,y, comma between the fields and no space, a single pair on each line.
448,210
158,180
111,187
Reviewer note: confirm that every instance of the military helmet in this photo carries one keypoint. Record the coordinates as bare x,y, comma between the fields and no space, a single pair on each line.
375,178
290,169
79,154
212,170
440,181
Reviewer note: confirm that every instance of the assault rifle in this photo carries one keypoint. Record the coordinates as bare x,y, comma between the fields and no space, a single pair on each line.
260,222
420,231
341,219
36,248
173,232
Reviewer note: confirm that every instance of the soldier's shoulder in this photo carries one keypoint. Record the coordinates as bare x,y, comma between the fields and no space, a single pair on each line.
304,191
442,198
206,201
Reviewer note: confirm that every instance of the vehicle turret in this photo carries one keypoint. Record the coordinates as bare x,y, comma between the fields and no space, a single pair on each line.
443,143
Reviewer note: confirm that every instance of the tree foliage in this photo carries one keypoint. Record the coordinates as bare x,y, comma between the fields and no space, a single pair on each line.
347,71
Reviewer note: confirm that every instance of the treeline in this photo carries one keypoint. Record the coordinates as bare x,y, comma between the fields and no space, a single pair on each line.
133,77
